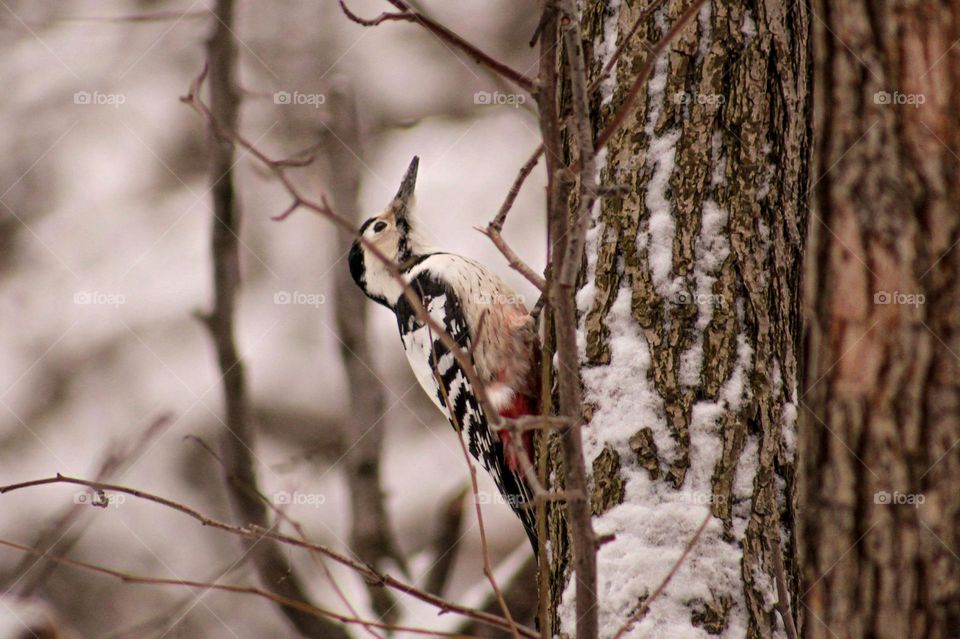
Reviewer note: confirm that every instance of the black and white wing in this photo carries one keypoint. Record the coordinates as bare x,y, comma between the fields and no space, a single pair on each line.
430,358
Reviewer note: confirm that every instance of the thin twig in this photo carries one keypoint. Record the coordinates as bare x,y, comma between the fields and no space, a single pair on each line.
285,602
639,614
525,171
255,532
608,67
493,230
516,589
298,527
638,83
57,534
484,547
535,422
171,617
407,14
550,132
561,295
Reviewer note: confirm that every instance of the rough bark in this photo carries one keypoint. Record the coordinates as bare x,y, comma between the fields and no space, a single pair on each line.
880,420
696,265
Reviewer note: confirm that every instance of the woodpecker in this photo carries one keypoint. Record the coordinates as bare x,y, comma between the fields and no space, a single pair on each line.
482,314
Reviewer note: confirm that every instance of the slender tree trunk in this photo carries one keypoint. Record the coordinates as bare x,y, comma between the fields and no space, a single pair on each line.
239,437
689,319
371,535
881,464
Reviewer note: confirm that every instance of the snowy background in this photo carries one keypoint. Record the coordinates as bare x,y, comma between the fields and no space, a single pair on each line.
104,230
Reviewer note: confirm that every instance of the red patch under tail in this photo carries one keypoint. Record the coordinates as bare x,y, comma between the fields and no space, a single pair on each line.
520,406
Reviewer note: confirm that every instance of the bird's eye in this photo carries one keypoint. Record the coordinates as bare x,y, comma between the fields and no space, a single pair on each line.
379,226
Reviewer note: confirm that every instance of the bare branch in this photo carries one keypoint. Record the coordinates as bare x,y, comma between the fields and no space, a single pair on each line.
169,618
256,532
514,260
283,516
294,604
561,297
407,14
27,574
516,588
525,171
556,209
496,226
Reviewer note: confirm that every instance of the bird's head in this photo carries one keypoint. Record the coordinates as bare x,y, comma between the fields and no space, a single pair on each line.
395,235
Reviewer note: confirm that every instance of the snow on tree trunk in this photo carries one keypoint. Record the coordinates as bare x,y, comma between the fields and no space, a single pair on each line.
689,319
881,462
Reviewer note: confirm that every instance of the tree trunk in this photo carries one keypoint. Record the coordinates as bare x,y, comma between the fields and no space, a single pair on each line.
880,462
689,319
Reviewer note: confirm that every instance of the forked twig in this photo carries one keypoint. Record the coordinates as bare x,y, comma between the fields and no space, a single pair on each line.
407,14
493,230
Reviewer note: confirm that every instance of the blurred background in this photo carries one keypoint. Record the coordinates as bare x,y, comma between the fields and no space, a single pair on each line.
104,229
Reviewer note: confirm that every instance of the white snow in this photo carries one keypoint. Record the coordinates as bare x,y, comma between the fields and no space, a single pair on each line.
749,27
604,52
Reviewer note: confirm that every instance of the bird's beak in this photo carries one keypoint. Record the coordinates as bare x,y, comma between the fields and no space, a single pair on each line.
404,198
